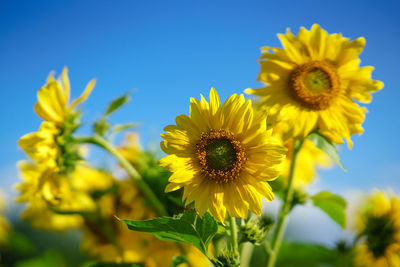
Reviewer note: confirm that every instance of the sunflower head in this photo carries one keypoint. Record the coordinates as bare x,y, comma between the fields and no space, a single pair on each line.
223,156
312,83
379,227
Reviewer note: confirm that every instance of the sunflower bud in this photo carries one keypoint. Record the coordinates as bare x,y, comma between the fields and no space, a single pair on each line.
255,229
299,197
228,258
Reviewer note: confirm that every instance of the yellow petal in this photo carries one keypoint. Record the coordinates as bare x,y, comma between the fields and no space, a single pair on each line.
84,95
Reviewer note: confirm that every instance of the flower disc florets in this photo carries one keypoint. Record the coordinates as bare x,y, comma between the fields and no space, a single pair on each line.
315,84
221,156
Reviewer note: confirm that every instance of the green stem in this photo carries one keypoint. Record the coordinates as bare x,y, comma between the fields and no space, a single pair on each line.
234,237
133,173
287,205
246,253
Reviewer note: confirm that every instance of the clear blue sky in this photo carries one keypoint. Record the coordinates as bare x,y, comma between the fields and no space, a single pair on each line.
169,51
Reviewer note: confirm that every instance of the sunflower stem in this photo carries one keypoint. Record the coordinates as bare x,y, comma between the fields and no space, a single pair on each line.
132,172
245,254
286,207
234,236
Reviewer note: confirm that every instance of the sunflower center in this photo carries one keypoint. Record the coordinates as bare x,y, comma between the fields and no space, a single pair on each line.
315,84
380,232
220,155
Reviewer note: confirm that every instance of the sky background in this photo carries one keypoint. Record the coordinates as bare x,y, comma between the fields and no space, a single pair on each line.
169,51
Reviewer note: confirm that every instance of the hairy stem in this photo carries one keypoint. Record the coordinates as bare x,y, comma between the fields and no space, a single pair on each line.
284,212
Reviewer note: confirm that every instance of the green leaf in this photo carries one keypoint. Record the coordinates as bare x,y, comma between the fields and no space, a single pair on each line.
117,103
178,260
306,255
333,205
187,227
327,146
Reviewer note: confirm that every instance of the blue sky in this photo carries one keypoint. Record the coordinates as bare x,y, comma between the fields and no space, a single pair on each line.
169,51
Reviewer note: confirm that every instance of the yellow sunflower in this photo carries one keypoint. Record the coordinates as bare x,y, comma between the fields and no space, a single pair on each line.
379,227
51,145
309,158
222,156
53,98
312,83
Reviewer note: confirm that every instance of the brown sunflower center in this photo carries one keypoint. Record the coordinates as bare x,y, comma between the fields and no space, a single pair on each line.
315,84
220,155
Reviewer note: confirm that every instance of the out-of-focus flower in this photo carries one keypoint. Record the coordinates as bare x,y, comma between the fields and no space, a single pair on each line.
312,83
49,179
308,159
52,145
379,229
112,241
54,200
5,226
222,156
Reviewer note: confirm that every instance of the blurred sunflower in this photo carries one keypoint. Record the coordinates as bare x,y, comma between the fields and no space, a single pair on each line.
379,229
112,241
55,200
312,83
222,156
52,145
47,184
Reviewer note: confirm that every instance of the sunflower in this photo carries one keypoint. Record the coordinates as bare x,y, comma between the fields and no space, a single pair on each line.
222,156
309,158
51,145
54,155
379,229
312,83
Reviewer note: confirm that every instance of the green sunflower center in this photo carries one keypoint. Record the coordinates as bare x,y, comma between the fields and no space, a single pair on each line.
220,155
317,81
315,84
380,232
